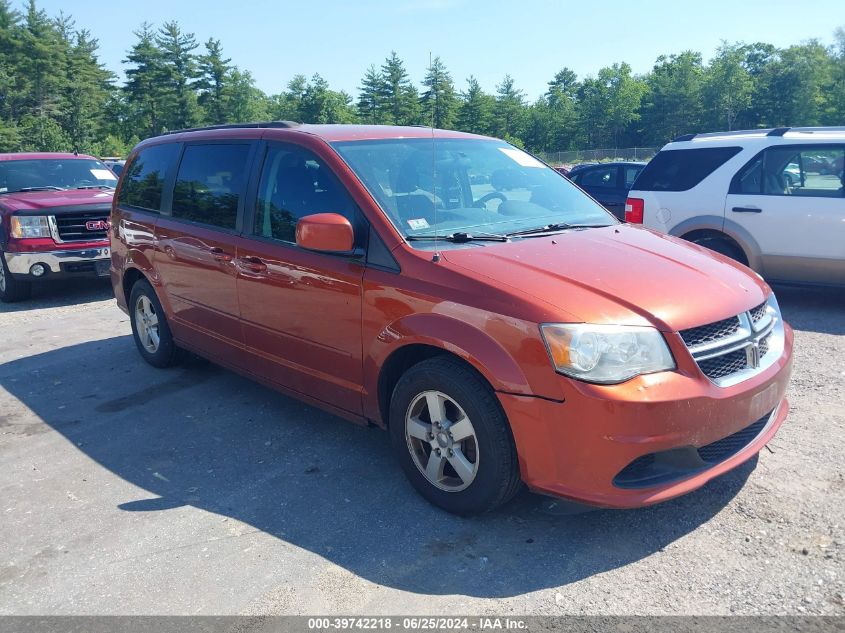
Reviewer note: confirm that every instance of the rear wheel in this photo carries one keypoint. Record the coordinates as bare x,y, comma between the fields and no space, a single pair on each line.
452,437
149,327
12,289
723,246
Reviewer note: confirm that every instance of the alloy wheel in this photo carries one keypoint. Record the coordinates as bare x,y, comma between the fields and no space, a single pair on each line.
146,322
442,441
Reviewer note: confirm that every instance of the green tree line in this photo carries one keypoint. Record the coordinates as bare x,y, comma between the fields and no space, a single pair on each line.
56,95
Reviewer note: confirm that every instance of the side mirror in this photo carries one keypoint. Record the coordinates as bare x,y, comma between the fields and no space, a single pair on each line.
327,232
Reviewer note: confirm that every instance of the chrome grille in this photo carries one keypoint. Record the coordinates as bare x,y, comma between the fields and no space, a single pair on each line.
725,365
758,313
72,227
764,345
734,349
710,332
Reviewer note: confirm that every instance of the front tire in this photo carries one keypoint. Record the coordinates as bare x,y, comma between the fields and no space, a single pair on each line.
11,289
452,438
150,328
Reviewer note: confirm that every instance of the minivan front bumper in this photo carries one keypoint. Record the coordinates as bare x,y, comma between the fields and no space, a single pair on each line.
648,440
88,261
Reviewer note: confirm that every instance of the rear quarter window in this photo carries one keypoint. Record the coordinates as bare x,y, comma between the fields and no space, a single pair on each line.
682,169
143,182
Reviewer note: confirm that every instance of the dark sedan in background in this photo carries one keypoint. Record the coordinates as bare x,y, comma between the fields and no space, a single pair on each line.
608,183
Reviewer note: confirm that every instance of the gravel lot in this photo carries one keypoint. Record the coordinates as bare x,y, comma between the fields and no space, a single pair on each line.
130,490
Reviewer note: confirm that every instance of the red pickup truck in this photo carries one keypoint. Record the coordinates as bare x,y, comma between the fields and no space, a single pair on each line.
54,219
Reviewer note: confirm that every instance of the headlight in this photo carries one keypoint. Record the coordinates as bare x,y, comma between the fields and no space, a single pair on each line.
24,226
606,354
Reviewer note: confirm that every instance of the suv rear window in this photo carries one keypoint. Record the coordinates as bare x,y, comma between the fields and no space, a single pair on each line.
682,169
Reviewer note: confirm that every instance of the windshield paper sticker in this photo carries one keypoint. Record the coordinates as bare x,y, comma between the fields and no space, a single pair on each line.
521,158
102,174
418,223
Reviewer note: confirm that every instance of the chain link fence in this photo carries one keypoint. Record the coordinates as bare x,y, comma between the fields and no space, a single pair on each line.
598,155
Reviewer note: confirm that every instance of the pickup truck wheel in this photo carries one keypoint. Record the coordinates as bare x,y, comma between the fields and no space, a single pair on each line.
452,438
149,326
12,289
722,246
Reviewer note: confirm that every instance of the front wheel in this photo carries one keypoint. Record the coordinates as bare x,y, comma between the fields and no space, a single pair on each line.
12,289
452,438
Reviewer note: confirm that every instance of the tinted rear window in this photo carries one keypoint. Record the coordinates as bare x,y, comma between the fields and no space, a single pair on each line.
144,181
682,169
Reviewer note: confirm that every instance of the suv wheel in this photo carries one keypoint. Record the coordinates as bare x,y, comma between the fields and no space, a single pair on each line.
149,326
722,246
452,438
12,289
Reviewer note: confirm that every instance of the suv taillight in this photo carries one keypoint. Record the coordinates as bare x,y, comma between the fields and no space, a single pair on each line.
634,208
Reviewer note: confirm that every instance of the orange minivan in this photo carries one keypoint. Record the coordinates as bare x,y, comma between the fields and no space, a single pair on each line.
453,289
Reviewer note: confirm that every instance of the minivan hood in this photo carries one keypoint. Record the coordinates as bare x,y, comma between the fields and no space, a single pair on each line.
620,274
35,200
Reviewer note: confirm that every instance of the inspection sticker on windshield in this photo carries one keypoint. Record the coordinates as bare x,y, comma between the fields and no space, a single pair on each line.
523,159
102,174
418,223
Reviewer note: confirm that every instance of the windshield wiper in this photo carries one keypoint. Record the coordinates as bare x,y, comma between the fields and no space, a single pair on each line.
459,238
557,226
95,187
42,188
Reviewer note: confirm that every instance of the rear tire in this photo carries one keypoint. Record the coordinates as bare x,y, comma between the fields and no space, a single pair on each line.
150,328
11,289
462,457
724,247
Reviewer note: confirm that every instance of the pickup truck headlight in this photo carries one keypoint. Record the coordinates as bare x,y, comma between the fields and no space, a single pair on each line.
24,226
605,354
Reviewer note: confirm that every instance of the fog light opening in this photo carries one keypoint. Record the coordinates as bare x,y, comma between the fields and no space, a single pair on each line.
37,270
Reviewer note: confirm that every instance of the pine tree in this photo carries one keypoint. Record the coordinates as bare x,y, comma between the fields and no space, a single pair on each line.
371,104
41,76
439,104
179,71
213,71
476,109
144,89
86,90
509,112
398,93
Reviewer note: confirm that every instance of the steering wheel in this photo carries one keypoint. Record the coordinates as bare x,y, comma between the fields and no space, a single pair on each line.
483,200
85,183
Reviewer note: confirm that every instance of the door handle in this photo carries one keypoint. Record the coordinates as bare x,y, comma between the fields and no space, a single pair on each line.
747,210
219,254
253,264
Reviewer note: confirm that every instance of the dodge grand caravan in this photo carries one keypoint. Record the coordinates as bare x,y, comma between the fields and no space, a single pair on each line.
502,336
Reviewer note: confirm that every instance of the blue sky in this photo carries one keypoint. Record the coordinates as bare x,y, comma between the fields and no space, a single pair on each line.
530,39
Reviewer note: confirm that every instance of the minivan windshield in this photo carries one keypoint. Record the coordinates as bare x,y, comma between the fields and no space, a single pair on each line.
54,174
467,187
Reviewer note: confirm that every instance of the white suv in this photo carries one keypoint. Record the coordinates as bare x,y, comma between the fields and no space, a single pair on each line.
771,199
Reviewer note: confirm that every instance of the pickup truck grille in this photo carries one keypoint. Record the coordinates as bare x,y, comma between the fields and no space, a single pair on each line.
74,227
737,348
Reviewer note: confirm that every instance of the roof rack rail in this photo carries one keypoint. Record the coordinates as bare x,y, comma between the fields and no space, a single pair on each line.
235,126
683,137
779,131
821,128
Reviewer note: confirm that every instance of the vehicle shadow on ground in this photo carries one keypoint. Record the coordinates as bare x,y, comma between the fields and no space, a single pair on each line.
813,309
202,436
55,294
